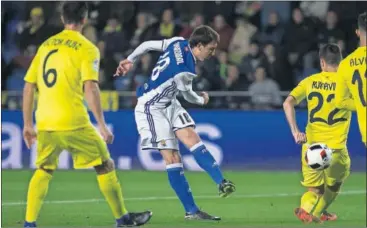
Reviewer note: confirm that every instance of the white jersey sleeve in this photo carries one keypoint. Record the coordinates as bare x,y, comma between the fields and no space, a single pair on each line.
184,85
152,45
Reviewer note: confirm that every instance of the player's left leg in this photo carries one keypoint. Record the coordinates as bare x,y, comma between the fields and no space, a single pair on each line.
314,181
180,185
338,171
48,152
89,150
183,125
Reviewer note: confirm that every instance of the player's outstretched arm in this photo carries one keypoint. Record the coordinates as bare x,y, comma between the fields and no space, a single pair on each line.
92,95
127,64
290,114
29,133
152,45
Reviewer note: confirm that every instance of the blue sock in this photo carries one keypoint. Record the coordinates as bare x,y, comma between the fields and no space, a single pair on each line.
30,224
206,161
179,183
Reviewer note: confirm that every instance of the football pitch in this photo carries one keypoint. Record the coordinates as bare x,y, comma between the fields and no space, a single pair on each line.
263,199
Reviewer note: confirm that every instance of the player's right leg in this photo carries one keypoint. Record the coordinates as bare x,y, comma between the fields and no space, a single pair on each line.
183,125
335,175
89,150
48,151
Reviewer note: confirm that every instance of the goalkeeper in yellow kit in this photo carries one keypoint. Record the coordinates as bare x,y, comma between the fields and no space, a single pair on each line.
66,65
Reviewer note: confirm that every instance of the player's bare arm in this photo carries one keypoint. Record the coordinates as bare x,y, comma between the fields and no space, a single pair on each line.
29,133
205,95
92,95
290,114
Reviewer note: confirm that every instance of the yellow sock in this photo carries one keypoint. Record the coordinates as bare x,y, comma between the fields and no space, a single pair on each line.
327,198
111,189
308,201
37,191
334,195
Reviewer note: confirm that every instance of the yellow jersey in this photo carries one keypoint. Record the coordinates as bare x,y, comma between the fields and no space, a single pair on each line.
352,75
326,124
61,66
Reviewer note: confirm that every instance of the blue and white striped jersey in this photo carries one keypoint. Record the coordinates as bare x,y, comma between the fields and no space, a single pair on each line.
174,72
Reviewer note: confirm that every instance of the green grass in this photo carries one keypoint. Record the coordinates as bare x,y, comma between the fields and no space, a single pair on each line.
257,201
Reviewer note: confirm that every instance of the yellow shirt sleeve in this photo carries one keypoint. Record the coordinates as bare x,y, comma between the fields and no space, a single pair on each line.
90,64
343,97
33,70
299,93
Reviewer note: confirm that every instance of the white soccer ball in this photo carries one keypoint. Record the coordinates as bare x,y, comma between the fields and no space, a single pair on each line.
318,156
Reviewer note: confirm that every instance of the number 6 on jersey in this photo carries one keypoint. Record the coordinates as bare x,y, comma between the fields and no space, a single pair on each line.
46,75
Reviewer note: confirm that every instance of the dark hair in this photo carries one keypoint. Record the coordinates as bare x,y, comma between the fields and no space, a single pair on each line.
203,35
362,21
74,12
331,54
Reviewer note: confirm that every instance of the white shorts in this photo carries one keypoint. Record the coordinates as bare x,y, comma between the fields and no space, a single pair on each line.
157,126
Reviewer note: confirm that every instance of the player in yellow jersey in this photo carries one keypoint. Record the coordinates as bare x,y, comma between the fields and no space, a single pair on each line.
64,66
326,124
352,75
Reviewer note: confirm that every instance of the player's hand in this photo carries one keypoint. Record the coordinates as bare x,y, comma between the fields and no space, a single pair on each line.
106,134
29,136
300,137
205,95
124,67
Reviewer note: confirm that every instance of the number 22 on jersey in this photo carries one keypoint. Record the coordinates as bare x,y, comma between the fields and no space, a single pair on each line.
161,65
320,102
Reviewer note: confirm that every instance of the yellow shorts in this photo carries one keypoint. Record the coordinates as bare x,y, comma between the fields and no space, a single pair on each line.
86,146
338,171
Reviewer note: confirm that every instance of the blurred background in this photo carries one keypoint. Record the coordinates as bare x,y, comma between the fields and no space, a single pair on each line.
265,49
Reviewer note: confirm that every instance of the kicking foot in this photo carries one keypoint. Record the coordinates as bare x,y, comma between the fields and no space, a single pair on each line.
226,188
201,215
303,215
326,216
134,219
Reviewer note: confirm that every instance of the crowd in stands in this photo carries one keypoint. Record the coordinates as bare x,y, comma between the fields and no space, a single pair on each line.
265,47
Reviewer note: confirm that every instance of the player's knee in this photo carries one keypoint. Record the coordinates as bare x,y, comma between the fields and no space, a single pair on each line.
319,190
188,136
106,167
171,156
49,171
336,187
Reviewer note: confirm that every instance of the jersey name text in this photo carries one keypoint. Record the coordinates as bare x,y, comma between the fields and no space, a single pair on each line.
69,43
178,53
358,61
323,85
